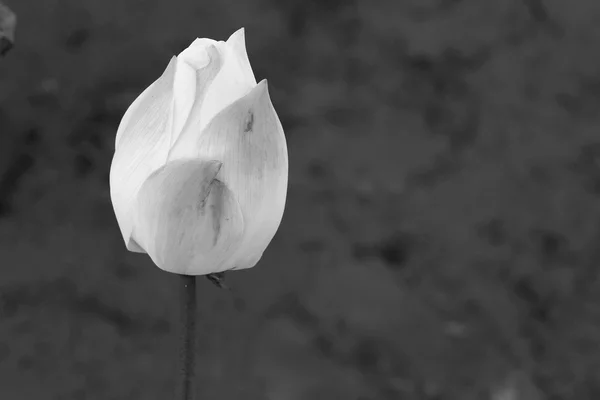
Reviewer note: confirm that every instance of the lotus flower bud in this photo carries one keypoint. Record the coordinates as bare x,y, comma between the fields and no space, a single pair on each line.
199,176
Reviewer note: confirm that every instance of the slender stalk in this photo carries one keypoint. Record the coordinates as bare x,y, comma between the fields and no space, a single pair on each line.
187,339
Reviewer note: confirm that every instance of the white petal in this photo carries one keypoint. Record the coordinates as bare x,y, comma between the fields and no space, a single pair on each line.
196,54
237,44
197,67
184,93
141,147
248,139
188,221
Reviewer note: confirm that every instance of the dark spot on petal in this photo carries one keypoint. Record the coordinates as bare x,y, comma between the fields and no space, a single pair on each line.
217,209
249,124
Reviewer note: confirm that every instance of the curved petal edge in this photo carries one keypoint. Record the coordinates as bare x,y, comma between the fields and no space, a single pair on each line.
141,147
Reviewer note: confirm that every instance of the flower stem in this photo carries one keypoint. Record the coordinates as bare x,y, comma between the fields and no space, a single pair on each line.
187,337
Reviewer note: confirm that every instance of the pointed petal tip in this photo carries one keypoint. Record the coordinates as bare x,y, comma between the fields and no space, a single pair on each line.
240,34
133,246
170,66
262,88
260,93
237,46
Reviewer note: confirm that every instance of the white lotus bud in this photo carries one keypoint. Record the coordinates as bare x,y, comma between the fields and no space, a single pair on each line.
199,175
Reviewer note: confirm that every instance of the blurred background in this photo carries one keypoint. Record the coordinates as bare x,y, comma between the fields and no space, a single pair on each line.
441,238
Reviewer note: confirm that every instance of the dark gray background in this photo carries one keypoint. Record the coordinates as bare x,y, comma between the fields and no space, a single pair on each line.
441,238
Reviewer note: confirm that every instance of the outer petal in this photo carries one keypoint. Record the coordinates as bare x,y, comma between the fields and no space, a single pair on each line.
248,139
237,45
187,220
141,147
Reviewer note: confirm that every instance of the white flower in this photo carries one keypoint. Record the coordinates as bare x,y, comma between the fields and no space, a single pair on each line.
199,175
